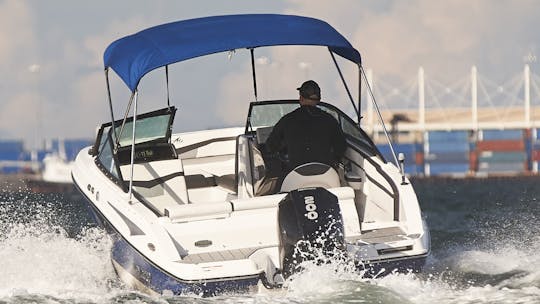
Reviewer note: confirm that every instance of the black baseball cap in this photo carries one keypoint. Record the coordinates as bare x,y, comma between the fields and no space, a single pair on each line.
310,90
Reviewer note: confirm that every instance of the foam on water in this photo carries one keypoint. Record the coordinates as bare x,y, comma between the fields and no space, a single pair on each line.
47,257
490,272
38,259
334,282
41,262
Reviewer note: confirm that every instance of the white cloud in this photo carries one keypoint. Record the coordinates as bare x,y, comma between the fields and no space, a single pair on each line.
395,38
17,36
21,117
34,68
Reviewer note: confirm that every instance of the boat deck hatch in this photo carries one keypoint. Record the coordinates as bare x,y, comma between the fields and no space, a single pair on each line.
219,256
383,235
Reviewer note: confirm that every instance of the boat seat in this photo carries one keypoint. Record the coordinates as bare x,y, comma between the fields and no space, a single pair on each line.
264,180
161,183
195,181
227,181
311,175
193,212
199,181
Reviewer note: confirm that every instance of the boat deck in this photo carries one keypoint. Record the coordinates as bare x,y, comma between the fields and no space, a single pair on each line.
219,256
375,236
382,235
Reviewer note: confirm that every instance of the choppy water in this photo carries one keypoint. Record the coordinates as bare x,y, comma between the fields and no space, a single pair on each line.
485,242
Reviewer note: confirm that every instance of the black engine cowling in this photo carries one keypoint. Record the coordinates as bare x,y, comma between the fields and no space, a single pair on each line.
310,228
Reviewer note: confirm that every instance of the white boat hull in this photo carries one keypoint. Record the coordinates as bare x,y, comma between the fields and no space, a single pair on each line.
159,253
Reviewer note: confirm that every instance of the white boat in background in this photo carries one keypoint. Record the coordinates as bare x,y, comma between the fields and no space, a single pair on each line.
55,173
202,212
56,169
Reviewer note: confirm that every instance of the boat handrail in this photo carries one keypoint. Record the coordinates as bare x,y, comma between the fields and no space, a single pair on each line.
394,194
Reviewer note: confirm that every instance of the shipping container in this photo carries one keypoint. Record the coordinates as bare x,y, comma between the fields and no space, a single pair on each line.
11,155
447,157
447,136
11,146
513,134
414,170
514,168
501,145
502,157
535,155
443,147
447,169
447,153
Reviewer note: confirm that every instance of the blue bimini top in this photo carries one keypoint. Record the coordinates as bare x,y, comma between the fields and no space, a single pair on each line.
133,56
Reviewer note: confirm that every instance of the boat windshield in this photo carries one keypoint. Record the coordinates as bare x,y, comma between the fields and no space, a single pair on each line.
268,113
148,128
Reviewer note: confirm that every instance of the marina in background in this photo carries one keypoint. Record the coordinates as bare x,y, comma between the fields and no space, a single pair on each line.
474,128
46,170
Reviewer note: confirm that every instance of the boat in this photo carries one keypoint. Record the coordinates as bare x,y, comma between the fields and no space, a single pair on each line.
55,175
203,212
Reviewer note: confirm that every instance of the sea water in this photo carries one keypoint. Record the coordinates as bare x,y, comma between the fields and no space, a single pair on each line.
485,244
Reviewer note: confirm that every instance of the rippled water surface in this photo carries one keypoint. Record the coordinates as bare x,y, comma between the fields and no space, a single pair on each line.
485,244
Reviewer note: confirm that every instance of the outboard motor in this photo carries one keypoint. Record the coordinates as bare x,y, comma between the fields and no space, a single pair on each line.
310,228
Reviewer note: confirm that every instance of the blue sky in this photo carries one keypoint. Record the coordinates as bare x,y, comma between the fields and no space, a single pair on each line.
52,82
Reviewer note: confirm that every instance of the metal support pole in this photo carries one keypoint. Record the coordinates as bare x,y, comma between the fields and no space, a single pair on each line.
110,104
527,88
167,81
133,147
381,120
125,118
369,104
345,84
421,100
474,98
359,94
253,72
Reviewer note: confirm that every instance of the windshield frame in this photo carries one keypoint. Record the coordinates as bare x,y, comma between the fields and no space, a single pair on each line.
106,127
360,140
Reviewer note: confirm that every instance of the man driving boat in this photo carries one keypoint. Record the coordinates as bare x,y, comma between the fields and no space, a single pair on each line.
308,134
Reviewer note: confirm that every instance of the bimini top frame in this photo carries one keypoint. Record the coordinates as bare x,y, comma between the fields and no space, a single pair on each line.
135,55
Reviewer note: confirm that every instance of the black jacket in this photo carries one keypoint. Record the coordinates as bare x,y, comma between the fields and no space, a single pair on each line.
308,134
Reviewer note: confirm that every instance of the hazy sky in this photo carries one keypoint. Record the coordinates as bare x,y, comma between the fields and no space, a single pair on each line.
52,82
